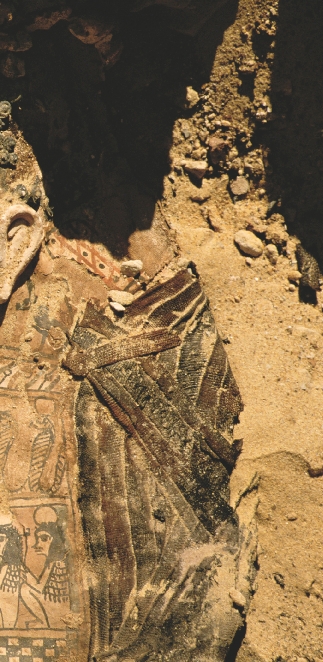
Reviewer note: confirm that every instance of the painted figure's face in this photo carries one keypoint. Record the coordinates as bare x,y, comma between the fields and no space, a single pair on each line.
43,542
3,542
21,234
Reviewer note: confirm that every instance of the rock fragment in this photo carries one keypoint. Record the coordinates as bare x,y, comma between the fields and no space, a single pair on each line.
121,297
237,598
131,268
212,216
256,225
5,109
7,146
308,267
196,168
248,67
239,186
117,307
248,243
217,149
294,276
202,195
272,253
186,131
291,517
279,579
277,234
192,97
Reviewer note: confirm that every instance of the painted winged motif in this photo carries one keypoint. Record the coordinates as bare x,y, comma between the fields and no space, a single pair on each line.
7,434
154,416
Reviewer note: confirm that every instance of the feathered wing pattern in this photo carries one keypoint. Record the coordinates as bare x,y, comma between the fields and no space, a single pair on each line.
41,448
7,434
59,472
165,378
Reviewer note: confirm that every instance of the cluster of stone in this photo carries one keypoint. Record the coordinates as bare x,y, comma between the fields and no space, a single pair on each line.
7,141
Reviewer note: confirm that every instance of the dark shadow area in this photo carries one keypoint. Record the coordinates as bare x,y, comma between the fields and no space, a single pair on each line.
247,86
102,135
236,644
295,135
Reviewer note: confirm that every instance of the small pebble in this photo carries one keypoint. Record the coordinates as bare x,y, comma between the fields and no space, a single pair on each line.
292,287
271,207
217,149
117,307
237,598
279,579
248,67
249,262
192,97
214,220
248,243
239,186
272,253
5,109
121,297
294,276
186,133
131,268
28,337
291,517
276,234
196,168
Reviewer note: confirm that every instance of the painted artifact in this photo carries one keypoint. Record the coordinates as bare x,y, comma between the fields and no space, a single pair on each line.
117,540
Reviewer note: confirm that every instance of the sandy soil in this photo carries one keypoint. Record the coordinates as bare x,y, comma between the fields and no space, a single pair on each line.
275,345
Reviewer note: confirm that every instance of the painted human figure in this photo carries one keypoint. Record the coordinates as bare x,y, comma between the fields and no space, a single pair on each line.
12,573
50,591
